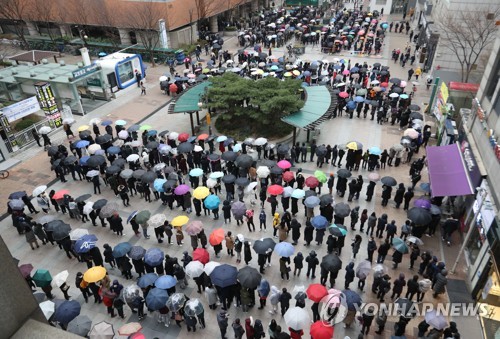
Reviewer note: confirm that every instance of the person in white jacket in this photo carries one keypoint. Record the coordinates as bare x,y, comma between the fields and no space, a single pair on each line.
274,298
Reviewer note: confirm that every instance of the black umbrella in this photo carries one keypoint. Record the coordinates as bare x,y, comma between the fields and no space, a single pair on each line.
343,173
185,147
169,184
414,107
331,262
283,149
96,160
229,156
377,64
113,169
325,199
342,210
102,139
228,179
149,177
310,193
395,81
213,157
337,231
163,133
374,103
416,115
70,160
321,150
389,181
244,160
168,170
276,170
120,162
224,275
173,176
133,128
83,197
17,195
52,150
419,215
138,173
56,163
152,145
398,90
84,134
52,225
249,277
243,182
268,163
263,245
61,232
405,307
99,204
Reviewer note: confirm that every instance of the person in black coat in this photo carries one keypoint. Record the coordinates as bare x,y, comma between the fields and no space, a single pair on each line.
381,223
386,194
398,285
138,266
320,234
327,212
398,197
226,209
331,244
413,287
312,261
96,256
370,190
299,263
341,186
295,226
284,300
372,246
197,206
247,253
308,233
349,275
407,198
108,255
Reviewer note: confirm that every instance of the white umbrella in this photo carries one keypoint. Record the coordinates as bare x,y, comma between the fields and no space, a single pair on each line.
157,220
260,141
133,157
211,183
297,318
194,269
287,192
414,240
251,186
93,148
60,278
210,266
198,148
118,143
88,207
95,121
93,173
438,321
298,289
45,130
173,135
102,330
48,308
163,78
394,95
77,233
123,134
410,132
68,121
136,143
375,82
263,171
39,190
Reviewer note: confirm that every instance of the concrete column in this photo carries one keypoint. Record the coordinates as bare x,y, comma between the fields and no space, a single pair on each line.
65,30
194,30
214,27
124,36
32,29
266,3
255,5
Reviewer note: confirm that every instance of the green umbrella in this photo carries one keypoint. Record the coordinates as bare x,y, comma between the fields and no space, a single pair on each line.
337,230
320,176
42,278
145,127
399,245
142,217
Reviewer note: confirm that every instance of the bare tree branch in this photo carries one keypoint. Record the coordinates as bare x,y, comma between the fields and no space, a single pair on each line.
467,34
18,12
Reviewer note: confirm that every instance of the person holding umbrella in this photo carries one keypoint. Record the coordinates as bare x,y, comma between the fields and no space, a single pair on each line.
407,198
263,291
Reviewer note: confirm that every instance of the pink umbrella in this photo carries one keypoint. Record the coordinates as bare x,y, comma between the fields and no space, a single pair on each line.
361,32
344,94
373,176
345,72
182,189
410,132
284,164
403,84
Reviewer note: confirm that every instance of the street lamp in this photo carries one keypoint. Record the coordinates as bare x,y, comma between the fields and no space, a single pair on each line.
482,193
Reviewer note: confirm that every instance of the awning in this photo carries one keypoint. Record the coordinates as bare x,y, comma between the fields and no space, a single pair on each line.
447,173
188,100
317,103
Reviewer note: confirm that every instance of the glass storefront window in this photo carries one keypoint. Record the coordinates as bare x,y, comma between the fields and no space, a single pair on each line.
474,246
125,72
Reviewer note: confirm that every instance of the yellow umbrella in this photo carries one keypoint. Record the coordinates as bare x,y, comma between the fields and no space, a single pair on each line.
180,221
259,71
83,128
296,72
288,74
201,192
353,145
205,71
94,274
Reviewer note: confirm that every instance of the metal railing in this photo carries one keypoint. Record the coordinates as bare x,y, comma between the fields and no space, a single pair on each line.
24,138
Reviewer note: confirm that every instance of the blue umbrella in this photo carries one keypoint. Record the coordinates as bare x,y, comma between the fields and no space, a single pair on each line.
136,252
224,275
196,172
147,280
120,122
319,222
113,150
133,214
106,123
17,195
351,105
83,160
351,298
284,249
311,201
375,150
67,311
156,299
228,141
337,67
212,202
81,143
165,282
152,132
121,249
154,257
359,99
158,185
354,69
85,243
298,193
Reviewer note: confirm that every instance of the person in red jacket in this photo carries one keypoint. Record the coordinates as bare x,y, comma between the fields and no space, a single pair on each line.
295,334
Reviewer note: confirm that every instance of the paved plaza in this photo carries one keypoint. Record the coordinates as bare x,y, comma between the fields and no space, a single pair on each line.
34,170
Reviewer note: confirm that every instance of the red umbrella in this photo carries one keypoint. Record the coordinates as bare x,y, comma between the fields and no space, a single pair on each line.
343,94
315,292
321,330
275,189
284,164
216,237
60,194
203,136
288,176
201,255
312,182
172,88
183,137
384,84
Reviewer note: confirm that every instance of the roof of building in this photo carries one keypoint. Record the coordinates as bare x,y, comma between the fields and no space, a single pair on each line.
32,56
188,101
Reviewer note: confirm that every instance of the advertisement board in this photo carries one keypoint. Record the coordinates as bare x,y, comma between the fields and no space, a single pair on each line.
21,109
48,104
